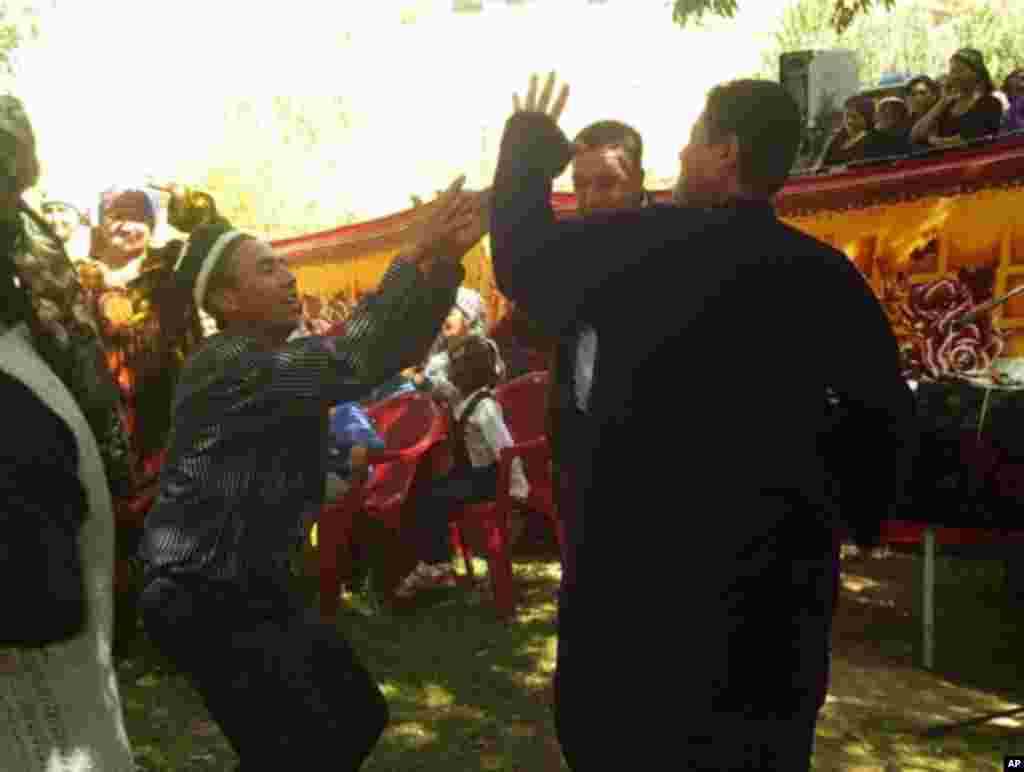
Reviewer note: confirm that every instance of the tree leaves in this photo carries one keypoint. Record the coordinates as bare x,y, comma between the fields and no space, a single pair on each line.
843,14
684,10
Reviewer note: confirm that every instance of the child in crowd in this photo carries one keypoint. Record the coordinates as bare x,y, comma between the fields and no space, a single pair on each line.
479,434
891,135
352,436
467,317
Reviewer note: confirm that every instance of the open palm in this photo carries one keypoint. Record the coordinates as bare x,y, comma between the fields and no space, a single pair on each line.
542,103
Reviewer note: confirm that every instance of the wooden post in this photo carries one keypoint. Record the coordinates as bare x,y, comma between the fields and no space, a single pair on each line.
928,599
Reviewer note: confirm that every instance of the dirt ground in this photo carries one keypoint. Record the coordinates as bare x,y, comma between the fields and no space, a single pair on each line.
881,699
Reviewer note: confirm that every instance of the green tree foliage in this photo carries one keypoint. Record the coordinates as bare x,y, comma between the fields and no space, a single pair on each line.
999,35
20,23
842,13
278,167
901,40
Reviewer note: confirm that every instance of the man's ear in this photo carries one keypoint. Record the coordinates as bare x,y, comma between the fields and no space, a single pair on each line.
224,301
729,152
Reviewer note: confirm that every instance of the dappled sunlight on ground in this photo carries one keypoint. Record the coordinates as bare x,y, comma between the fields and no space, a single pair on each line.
470,692
412,733
881,701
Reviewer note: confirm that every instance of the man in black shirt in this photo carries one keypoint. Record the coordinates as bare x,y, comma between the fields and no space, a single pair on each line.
245,464
707,427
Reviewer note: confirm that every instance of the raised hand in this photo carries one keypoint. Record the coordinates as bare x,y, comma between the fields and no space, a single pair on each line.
542,103
448,214
471,223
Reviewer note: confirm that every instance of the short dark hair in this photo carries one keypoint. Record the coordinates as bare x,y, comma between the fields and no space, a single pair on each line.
766,121
614,133
475,357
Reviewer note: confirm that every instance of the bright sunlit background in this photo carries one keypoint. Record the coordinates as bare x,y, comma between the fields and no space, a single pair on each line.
398,96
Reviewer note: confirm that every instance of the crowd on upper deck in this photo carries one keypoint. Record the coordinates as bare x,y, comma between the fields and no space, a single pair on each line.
960,106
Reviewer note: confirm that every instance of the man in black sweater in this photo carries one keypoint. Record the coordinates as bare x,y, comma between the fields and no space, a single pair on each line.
707,434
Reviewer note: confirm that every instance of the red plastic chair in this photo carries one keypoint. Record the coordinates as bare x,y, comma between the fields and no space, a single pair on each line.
523,402
410,424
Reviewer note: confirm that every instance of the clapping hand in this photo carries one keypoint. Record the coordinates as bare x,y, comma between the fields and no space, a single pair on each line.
454,222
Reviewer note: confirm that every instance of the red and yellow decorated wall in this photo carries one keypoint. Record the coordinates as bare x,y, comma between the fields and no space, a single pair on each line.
934,236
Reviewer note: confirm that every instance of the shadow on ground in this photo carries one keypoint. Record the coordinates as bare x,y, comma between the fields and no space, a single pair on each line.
470,693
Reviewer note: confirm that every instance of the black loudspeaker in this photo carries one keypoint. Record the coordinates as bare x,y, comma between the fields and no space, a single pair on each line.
794,75
819,81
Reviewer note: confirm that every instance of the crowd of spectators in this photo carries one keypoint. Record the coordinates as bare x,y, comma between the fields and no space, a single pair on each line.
932,114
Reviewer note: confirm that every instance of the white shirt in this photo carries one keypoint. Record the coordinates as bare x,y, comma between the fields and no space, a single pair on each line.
486,436
586,356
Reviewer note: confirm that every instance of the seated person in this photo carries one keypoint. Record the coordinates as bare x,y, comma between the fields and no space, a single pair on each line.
352,437
338,309
1013,87
847,144
479,434
467,317
891,136
400,384
312,321
922,94
967,109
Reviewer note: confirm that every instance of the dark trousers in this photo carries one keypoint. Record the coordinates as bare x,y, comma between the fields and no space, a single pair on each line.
287,691
830,591
744,682
460,486
567,712
566,692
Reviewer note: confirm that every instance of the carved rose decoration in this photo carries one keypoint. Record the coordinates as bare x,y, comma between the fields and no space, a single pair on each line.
933,347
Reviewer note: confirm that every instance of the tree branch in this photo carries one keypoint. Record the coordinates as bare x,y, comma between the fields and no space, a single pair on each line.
844,12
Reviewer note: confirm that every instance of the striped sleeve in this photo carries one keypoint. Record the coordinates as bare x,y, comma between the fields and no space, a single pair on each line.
390,330
393,328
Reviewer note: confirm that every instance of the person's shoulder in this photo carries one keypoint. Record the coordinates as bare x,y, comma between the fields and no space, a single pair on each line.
217,351
804,246
665,220
487,407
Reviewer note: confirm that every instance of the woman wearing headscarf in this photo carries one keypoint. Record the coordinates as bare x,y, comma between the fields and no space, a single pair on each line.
65,440
123,286
967,109
847,144
1013,87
